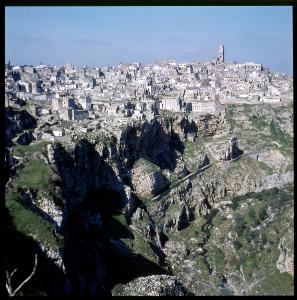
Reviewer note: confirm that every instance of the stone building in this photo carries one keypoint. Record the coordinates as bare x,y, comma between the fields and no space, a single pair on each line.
204,106
85,102
61,103
73,114
171,103
79,114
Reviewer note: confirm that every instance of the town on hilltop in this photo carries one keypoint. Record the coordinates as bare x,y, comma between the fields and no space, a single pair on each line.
126,92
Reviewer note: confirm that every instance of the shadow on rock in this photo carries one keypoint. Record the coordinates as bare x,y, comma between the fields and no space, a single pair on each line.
48,279
153,141
94,257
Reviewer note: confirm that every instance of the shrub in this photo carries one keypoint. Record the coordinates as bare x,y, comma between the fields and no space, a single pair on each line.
263,213
251,213
237,244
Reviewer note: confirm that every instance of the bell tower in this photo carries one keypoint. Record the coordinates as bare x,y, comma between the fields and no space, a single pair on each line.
221,53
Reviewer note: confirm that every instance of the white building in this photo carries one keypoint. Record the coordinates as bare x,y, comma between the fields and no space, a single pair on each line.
204,106
171,103
85,102
58,132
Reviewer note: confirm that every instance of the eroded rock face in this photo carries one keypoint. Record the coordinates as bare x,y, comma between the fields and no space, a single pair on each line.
155,285
50,153
225,150
16,121
203,161
276,180
177,218
159,139
48,206
147,179
232,150
176,207
285,262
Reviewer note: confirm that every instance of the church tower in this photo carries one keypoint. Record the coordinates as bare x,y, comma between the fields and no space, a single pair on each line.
221,53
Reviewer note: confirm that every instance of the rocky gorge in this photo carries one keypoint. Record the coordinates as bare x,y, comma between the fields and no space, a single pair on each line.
179,205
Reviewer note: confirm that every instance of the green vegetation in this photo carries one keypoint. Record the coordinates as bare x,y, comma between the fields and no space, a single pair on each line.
279,196
247,108
265,167
246,165
257,245
277,284
289,168
21,150
193,152
218,219
259,123
121,219
200,265
35,175
119,229
142,246
193,230
230,115
216,257
283,138
28,223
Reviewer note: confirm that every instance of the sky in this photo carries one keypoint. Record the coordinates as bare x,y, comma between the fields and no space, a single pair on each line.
100,36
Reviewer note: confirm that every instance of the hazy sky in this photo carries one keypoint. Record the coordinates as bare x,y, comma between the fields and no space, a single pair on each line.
98,36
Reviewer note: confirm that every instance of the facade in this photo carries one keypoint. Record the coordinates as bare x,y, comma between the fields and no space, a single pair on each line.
77,115
64,102
203,107
85,102
66,114
171,103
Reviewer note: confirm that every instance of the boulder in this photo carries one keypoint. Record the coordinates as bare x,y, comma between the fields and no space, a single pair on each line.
147,179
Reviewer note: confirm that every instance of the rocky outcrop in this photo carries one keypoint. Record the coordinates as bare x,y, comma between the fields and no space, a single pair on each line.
175,209
181,170
159,139
54,255
155,285
48,206
16,121
232,150
225,150
203,161
192,126
276,180
147,179
177,218
285,262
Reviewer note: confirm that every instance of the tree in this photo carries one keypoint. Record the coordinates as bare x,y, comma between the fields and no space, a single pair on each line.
10,291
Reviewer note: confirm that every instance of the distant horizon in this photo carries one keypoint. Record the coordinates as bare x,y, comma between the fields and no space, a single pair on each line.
107,36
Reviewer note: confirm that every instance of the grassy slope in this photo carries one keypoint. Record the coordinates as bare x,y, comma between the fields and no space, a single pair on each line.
28,223
35,175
